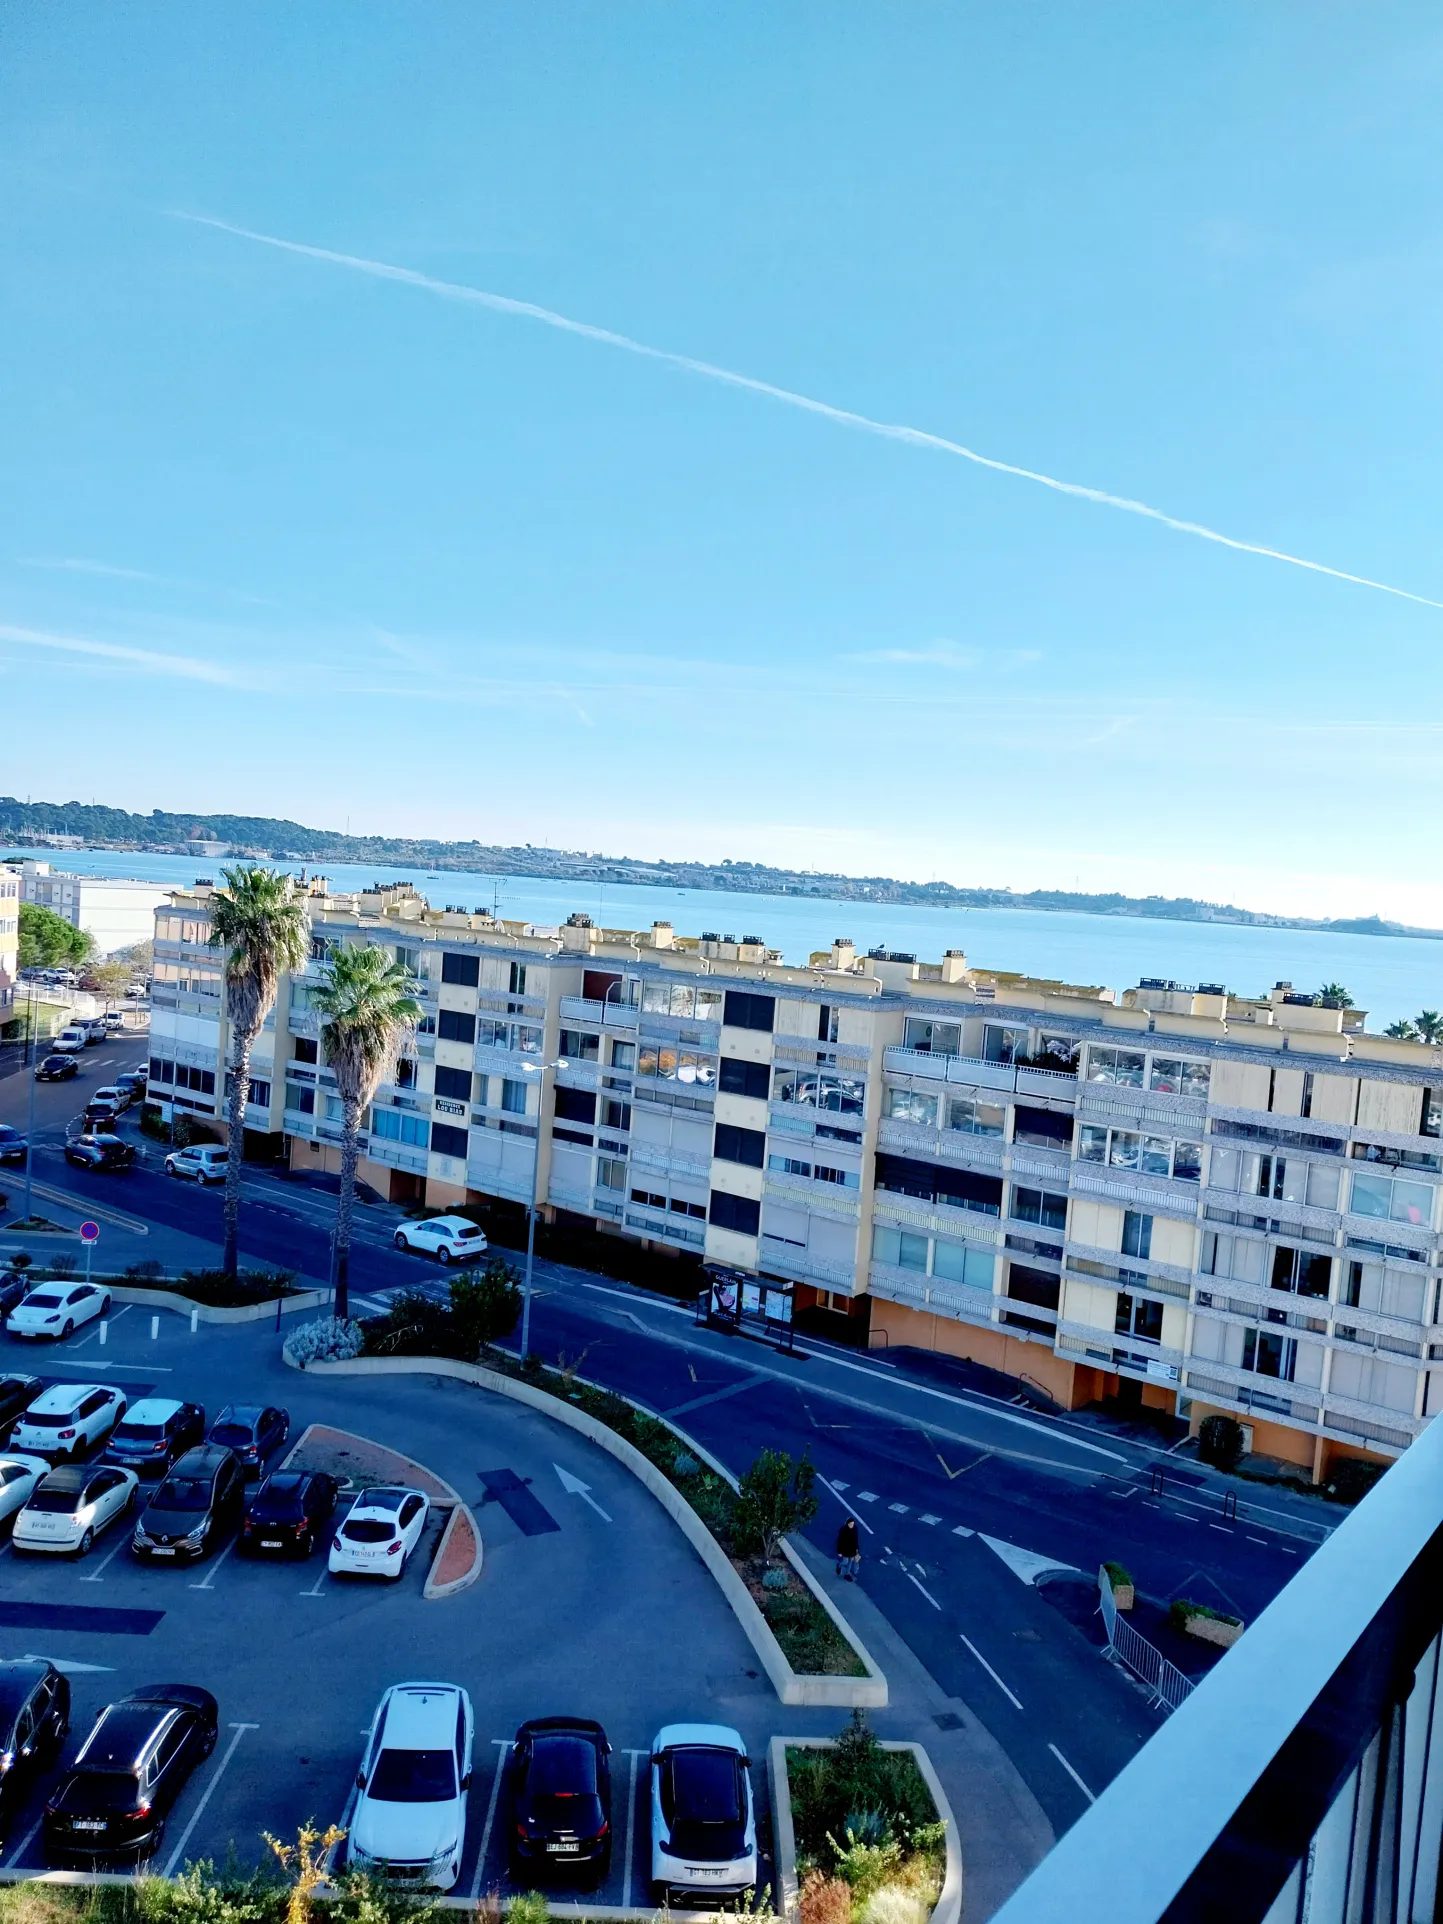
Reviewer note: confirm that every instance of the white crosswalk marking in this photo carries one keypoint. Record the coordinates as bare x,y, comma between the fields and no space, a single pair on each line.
961,1530
866,1496
929,1519
898,1509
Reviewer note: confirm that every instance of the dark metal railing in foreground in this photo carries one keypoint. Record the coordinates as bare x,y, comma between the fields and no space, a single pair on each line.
1302,1781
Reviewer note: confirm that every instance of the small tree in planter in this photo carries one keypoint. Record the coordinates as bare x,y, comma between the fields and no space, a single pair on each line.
1220,1442
485,1306
1207,1625
1123,1593
775,1498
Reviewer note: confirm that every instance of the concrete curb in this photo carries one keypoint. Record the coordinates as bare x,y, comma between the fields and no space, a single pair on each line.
866,1692
948,1908
184,1305
329,1894
450,1499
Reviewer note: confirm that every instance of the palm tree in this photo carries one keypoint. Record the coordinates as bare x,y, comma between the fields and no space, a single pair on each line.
260,916
367,1007
1335,992
1429,1026
1401,1031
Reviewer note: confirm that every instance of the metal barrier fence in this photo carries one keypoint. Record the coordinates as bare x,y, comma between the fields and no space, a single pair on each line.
1167,1683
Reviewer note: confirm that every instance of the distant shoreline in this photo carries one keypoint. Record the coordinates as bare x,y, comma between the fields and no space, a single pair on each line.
118,832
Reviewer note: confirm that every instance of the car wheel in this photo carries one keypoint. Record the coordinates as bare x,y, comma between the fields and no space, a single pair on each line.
171,1170
305,1544
443,1257
105,1305
82,1549
68,1331
401,1243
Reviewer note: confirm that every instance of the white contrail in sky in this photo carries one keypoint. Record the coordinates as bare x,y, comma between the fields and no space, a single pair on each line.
186,667
917,437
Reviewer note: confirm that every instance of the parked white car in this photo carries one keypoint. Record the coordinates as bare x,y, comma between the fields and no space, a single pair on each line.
450,1239
72,1505
382,1528
70,1041
204,1161
703,1823
68,1419
112,1092
18,1477
58,1309
409,1824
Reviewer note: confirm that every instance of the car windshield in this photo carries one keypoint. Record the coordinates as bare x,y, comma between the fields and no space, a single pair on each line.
413,1777
140,1433
232,1433
47,1419
183,1493
367,1529
56,1502
6,1132
42,1299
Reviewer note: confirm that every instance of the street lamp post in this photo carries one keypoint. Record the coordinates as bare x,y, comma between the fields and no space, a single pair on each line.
534,1069
30,1052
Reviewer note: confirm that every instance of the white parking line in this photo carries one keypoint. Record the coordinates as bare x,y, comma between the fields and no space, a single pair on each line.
990,1671
25,1842
214,1570
502,1743
630,1831
177,1856
1072,1773
97,1575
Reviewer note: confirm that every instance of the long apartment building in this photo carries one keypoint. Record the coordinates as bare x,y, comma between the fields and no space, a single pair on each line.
1194,1201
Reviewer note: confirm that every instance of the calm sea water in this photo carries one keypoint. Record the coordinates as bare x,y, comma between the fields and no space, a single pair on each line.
1390,976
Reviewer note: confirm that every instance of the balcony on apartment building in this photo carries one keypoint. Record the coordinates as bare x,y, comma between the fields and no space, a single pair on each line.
979,1071
1303,1777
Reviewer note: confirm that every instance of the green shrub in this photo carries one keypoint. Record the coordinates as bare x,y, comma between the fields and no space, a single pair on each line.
1118,1574
530,1909
1181,1609
829,1787
1350,1480
866,1867
775,1498
1220,1442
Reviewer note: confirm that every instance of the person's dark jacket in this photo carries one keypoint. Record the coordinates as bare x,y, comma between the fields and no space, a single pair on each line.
848,1544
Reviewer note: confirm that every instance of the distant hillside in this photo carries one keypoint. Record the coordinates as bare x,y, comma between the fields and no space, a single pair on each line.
163,832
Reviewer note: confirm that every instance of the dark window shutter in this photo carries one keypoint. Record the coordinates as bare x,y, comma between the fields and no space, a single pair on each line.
447,1141
453,1026
454,1084
575,1105
744,1011
735,1212
1033,1286
748,1146
738,1078
464,970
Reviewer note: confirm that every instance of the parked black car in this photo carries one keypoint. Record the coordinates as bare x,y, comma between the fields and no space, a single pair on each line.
289,1513
34,1717
252,1431
17,1392
100,1152
113,1801
13,1146
133,1081
561,1798
153,1433
57,1069
196,1507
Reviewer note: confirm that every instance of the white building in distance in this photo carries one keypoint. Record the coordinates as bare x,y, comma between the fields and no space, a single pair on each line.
118,913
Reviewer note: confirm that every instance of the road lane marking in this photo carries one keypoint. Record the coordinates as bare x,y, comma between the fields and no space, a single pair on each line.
1072,1773
837,1485
630,1831
836,1490
866,1496
929,1519
503,1744
961,1530
899,1509
930,1598
991,1672
717,1396
1262,1540
177,1856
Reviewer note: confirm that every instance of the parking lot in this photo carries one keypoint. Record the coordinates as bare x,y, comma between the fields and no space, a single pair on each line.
590,1603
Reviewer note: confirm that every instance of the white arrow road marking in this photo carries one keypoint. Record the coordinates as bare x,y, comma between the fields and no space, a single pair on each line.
177,1856
503,1744
574,1486
1027,1564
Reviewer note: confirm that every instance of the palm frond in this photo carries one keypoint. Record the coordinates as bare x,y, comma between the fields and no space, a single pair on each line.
366,1007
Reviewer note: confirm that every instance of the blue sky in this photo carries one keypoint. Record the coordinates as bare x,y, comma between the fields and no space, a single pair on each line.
277,535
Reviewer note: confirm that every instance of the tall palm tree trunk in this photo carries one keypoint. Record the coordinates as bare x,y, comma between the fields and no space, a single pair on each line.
236,1115
346,1207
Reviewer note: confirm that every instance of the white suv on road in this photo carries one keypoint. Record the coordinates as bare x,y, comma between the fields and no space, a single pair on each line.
409,1824
205,1161
450,1239
703,1825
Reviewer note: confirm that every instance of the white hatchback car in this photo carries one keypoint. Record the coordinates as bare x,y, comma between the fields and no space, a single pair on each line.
381,1530
450,1239
204,1161
18,1477
703,1824
112,1092
57,1309
67,1419
72,1505
409,1824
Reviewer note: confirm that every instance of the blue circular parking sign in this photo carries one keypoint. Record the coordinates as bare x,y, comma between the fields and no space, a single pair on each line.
90,1232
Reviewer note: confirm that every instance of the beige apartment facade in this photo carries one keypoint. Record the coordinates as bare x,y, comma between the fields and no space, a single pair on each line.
1194,1201
9,941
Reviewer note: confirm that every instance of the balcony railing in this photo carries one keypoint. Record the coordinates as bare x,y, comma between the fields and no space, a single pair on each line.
1303,1778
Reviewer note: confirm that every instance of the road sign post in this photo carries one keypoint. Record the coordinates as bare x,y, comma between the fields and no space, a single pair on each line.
90,1236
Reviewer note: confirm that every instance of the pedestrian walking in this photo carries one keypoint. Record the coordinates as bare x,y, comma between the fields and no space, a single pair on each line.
849,1550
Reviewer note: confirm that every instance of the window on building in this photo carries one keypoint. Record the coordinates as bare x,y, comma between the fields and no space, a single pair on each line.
610,1174
1121,1066
648,1198
1036,1286
1269,1354
577,1045
516,979
161,1070
1137,1317
301,1100
453,1084
576,1105
932,1038
1395,1199
394,1125
933,1182
963,1263
306,1049
259,1094
747,1146
623,1055
907,1105
747,1011
463,970
453,1025
1136,1234
738,1213
821,1089
1042,1128
1040,1206
447,1141
1302,1271
406,1073
738,1078
974,1118
1003,1044
1175,1076
1431,1122
827,1023
513,1096
409,959
614,1114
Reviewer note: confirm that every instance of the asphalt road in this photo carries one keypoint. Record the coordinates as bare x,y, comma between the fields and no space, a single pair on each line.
965,1501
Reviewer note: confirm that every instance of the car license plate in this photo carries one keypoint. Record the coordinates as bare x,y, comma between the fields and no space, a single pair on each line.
163,1550
270,1543
89,1823
564,1850
705,1870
